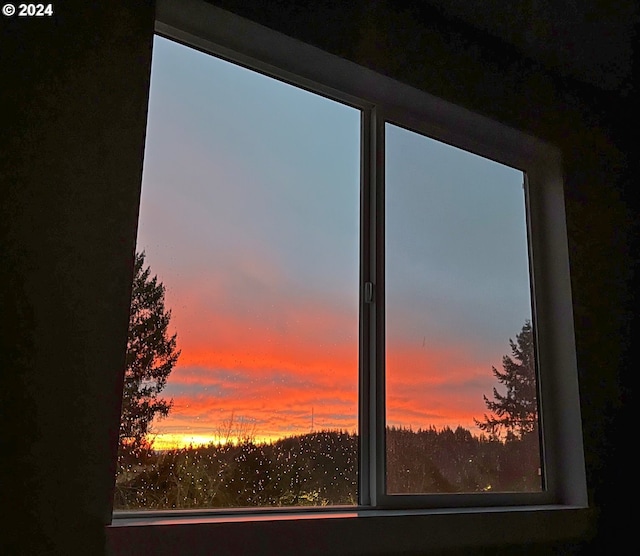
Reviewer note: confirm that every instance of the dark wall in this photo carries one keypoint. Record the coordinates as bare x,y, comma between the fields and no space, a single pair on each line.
73,95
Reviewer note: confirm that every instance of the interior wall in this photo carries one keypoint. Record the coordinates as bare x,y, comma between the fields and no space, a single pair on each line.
73,96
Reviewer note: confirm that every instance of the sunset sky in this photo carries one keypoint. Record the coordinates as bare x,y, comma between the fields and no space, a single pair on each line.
249,216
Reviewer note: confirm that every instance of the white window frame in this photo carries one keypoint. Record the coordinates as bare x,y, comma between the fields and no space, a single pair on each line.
556,513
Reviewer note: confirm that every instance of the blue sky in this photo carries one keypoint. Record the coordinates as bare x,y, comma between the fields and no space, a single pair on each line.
249,216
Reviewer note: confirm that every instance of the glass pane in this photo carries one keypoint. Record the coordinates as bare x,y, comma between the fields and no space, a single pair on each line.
457,291
250,220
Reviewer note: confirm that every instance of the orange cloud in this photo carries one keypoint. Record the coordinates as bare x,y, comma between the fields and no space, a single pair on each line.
440,386
442,391
272,361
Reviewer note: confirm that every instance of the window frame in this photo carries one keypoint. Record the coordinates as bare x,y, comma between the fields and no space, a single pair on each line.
381,99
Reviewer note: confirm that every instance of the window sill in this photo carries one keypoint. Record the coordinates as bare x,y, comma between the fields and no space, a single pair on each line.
342,531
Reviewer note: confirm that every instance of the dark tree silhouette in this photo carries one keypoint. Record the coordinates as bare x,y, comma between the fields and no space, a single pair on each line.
151,356
515,414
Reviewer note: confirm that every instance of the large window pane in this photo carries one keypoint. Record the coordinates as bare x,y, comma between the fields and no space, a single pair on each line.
249,217
457,290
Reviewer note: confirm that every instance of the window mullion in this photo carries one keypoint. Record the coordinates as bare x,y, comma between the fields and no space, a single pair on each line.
369,311
365,344
374,311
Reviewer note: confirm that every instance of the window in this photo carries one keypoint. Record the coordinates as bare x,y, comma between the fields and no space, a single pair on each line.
251,223
456,283
423,224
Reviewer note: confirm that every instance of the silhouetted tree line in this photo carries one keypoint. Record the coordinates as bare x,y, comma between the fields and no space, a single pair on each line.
314,469
321,468
455,461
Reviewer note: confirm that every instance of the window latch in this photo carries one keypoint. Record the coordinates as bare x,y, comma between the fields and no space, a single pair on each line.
368,292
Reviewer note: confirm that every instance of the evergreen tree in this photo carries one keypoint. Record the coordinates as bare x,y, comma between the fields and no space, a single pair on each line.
151,356
515,414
